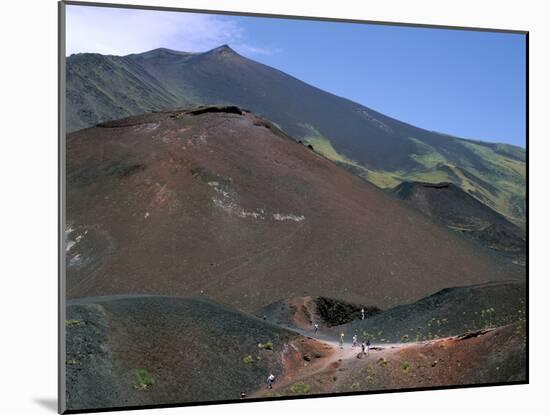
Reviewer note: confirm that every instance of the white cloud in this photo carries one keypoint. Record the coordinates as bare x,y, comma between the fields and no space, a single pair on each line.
246,49
124,31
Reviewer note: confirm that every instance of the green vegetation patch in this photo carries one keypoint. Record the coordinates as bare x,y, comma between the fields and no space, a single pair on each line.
382,362
300,388
502,166
143,379
265,346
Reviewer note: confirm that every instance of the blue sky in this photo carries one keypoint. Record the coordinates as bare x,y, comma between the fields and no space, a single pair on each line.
464,83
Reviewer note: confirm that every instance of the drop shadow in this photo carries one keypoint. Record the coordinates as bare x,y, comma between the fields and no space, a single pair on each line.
48,403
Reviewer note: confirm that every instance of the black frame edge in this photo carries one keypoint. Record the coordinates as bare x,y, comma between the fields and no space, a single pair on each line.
61,386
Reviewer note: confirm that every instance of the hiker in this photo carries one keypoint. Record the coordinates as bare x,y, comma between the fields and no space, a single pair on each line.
363,345
362,314
342,340
354,341
243,395
368,346
270,380
315,328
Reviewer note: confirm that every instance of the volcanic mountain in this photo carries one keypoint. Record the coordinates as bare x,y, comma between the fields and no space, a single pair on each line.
450,205
218,202
381,149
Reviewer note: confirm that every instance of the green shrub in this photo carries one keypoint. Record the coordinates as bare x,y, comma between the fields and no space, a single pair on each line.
248,359
382,362
300,388
266,346
144,380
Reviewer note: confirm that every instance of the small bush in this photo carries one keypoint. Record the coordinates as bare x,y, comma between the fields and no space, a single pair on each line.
248,359
266,346
382,362
406,367
369,370
73,322
144,380
300,388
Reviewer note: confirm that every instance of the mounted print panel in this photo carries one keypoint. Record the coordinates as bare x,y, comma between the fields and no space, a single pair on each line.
259,207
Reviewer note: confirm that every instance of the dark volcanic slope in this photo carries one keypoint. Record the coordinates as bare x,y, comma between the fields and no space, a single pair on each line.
223,203
382,149
451,206
449,312
101,88
147,350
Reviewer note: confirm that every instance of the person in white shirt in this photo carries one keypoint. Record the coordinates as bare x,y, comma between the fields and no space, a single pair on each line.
270,380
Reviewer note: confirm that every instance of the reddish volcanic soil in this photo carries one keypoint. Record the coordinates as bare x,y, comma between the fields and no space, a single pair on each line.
223,204
489,356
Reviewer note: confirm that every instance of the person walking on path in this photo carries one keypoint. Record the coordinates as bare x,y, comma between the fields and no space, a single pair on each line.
362,314
315,328
341,340
354,341
363,345
368,346
270,380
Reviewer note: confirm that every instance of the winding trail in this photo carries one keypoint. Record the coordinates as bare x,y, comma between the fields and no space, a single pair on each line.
335,358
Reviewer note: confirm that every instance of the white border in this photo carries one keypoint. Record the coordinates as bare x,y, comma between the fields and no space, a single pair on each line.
29,203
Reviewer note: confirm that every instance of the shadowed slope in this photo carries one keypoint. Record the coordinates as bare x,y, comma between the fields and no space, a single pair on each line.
451,311
226,205
149,350
448,204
